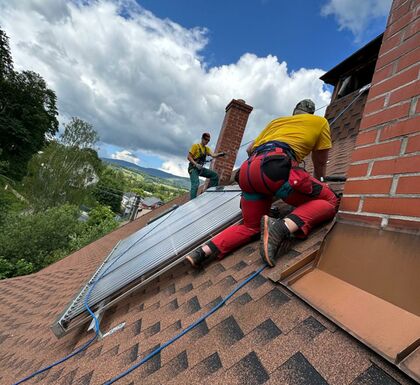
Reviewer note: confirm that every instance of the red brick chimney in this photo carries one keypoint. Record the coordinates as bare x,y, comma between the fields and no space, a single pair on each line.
230,137
383,186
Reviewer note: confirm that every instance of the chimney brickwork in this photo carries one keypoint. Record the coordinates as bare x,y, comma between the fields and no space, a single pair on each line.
383,186
230,138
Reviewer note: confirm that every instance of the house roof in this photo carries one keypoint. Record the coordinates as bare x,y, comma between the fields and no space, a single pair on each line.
264,334
362,56
150,201
129,194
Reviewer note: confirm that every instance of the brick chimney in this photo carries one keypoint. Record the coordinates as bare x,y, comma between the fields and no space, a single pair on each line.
230,138
383,186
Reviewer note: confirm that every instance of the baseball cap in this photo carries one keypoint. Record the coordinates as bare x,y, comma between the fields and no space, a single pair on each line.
306,105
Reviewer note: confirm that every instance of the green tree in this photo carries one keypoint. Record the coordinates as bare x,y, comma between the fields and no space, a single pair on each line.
20,267
33,238
79,134
33,241
10,200
3,181
101,221
66,169
6,61
100,215
109,190
28,113
138,191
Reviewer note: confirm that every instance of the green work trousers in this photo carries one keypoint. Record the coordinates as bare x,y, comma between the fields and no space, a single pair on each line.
195,182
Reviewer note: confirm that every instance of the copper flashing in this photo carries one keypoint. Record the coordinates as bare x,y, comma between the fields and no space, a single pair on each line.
366,281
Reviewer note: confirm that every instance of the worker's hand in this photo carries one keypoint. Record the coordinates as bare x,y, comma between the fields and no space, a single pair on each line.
222,153
198,166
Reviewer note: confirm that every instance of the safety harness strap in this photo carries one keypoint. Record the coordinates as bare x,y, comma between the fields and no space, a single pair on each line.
200,160
252,175
273,144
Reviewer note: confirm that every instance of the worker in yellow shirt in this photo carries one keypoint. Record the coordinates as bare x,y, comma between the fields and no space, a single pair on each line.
272,170
197,158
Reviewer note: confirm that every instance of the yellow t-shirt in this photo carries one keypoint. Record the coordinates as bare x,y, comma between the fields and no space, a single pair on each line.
198,149
302,132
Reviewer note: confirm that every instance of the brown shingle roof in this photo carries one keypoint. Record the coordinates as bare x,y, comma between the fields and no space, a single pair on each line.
264,334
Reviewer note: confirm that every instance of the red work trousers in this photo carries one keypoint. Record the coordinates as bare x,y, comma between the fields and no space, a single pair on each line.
310,209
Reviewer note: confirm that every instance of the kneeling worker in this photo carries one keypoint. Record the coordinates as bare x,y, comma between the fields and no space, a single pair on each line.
272,170
197,157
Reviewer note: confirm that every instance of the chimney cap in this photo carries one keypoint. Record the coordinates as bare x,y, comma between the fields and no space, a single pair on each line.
239,104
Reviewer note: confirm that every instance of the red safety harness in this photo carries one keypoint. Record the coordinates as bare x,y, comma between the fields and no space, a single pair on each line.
251,175
253,179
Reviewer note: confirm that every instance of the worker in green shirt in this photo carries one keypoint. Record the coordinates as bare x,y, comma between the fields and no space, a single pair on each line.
197,158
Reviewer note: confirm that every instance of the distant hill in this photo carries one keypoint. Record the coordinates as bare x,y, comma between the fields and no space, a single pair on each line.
181,181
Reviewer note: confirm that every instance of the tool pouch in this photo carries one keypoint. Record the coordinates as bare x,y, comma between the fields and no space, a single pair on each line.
300,180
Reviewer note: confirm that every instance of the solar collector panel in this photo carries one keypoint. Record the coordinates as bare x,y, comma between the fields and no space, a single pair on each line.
154,250
164,227
157,245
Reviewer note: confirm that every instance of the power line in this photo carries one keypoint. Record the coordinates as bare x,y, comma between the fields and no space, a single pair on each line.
107,192
112,189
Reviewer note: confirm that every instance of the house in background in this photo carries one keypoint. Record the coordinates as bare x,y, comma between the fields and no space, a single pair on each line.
127,202
151,203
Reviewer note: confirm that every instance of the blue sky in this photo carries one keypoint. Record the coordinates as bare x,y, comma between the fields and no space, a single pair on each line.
152,75
266,27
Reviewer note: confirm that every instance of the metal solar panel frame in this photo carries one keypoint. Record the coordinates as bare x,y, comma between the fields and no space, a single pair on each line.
185,228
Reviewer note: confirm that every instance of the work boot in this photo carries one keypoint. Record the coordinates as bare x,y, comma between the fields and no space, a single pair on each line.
275,239
196,257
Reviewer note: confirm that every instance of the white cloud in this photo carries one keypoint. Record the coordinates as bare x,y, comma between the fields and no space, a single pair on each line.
126,155
176,167
356,15
141,80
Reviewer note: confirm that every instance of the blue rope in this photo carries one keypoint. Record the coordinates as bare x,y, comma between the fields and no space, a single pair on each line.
177,336
86,300
193,325
85,346
190,327
59,361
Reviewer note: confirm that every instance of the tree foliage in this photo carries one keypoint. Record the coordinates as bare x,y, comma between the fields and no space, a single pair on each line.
28,113
60,176
20,267
101,221
65,170
6,61
109,189
31,241
79,134
34,237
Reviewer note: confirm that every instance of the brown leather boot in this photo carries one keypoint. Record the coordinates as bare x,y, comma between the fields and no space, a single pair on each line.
275,239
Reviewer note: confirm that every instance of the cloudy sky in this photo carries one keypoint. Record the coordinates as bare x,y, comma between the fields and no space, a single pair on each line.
152,75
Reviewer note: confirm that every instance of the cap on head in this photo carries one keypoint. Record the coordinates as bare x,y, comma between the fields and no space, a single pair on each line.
306,105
